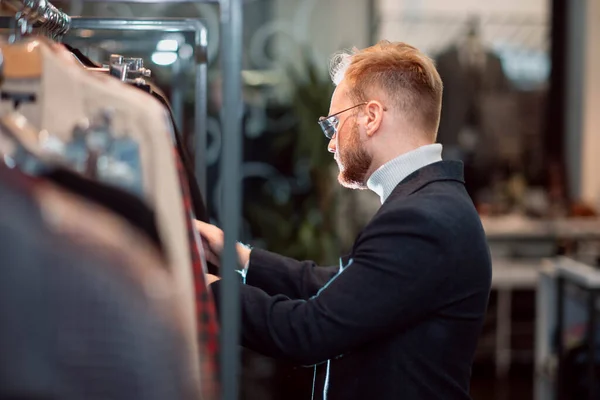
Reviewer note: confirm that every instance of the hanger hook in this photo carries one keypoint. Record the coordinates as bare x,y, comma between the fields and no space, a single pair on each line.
22,28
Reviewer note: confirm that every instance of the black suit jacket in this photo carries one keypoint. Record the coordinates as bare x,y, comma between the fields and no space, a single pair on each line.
400,318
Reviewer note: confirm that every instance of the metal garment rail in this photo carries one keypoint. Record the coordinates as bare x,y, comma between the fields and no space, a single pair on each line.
231,13
201,67
231,52
231,56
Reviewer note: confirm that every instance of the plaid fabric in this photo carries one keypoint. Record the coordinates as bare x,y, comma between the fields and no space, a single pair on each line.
208,329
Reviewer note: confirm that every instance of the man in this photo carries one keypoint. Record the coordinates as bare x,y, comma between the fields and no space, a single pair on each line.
399,318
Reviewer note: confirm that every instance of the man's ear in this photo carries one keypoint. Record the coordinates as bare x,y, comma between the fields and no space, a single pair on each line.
374,114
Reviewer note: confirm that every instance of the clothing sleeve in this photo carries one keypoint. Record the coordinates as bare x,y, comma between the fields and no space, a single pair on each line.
276,274
396,277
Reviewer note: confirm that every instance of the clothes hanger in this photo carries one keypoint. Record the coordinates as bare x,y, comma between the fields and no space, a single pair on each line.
116,161
22,49
82,58
21,59
66,90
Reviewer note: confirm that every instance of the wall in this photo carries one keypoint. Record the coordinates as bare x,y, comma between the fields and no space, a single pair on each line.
536,7
331,25
582,120
432,25
590,137
327,25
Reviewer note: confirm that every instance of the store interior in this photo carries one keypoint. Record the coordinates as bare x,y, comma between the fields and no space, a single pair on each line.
521,89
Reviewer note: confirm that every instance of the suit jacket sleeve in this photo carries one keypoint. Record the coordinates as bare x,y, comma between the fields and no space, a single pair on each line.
397,276
276,274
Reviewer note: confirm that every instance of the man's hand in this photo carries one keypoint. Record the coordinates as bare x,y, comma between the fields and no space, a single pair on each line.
213,241
213,244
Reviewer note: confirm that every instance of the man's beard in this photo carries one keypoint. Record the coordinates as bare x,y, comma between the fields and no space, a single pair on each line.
354,162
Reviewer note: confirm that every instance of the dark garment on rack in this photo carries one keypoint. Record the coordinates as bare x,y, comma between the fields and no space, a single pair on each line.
198,205
73,327
85,60
464,88
124,204
397,319
206,315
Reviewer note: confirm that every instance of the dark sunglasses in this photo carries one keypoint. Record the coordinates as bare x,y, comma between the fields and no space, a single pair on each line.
330,123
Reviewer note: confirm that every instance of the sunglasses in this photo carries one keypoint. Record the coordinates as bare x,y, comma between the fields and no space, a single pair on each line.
330,123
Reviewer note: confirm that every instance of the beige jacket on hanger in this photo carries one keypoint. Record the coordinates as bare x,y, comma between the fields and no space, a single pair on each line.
67,94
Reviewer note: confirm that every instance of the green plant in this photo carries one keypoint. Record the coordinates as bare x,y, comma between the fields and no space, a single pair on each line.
304,226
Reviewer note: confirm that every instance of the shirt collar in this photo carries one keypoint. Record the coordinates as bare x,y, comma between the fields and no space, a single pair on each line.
389,175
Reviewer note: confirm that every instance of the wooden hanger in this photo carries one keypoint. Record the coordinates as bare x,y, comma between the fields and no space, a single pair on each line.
22,60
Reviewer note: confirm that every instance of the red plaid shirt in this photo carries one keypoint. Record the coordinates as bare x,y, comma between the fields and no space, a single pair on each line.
208,329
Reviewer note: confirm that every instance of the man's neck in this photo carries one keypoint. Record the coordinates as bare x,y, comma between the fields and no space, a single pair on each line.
396,168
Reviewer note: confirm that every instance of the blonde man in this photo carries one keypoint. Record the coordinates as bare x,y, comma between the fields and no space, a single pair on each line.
399,318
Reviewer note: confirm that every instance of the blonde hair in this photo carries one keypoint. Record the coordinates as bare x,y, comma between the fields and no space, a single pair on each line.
407,76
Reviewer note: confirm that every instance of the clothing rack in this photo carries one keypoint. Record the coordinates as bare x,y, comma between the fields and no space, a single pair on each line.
200,56
56,22
201,71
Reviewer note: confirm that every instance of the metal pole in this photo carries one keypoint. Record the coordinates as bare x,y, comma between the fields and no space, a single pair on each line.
231,59
560,323
591,337
575,92
200,116
177,95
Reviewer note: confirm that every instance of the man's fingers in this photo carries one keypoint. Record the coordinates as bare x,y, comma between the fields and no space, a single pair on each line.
212,234
212,258
207,228
211,255
200,225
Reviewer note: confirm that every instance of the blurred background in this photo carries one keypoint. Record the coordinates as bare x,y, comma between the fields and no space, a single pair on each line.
520,111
